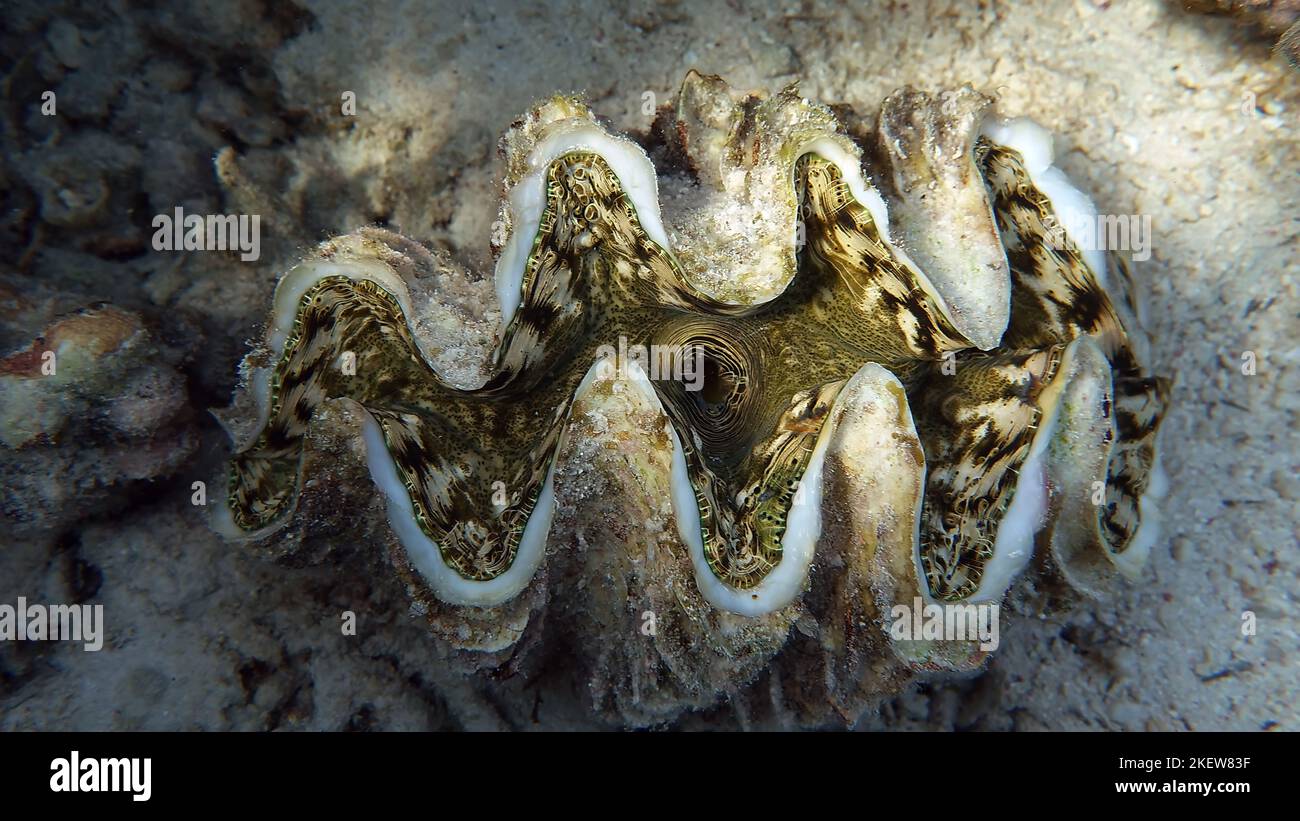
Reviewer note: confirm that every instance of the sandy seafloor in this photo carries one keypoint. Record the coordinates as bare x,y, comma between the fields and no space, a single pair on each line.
1187,118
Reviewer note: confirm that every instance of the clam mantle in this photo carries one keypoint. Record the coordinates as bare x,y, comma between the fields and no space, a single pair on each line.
913,379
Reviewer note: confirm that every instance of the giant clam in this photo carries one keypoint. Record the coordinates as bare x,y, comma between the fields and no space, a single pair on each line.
897,372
